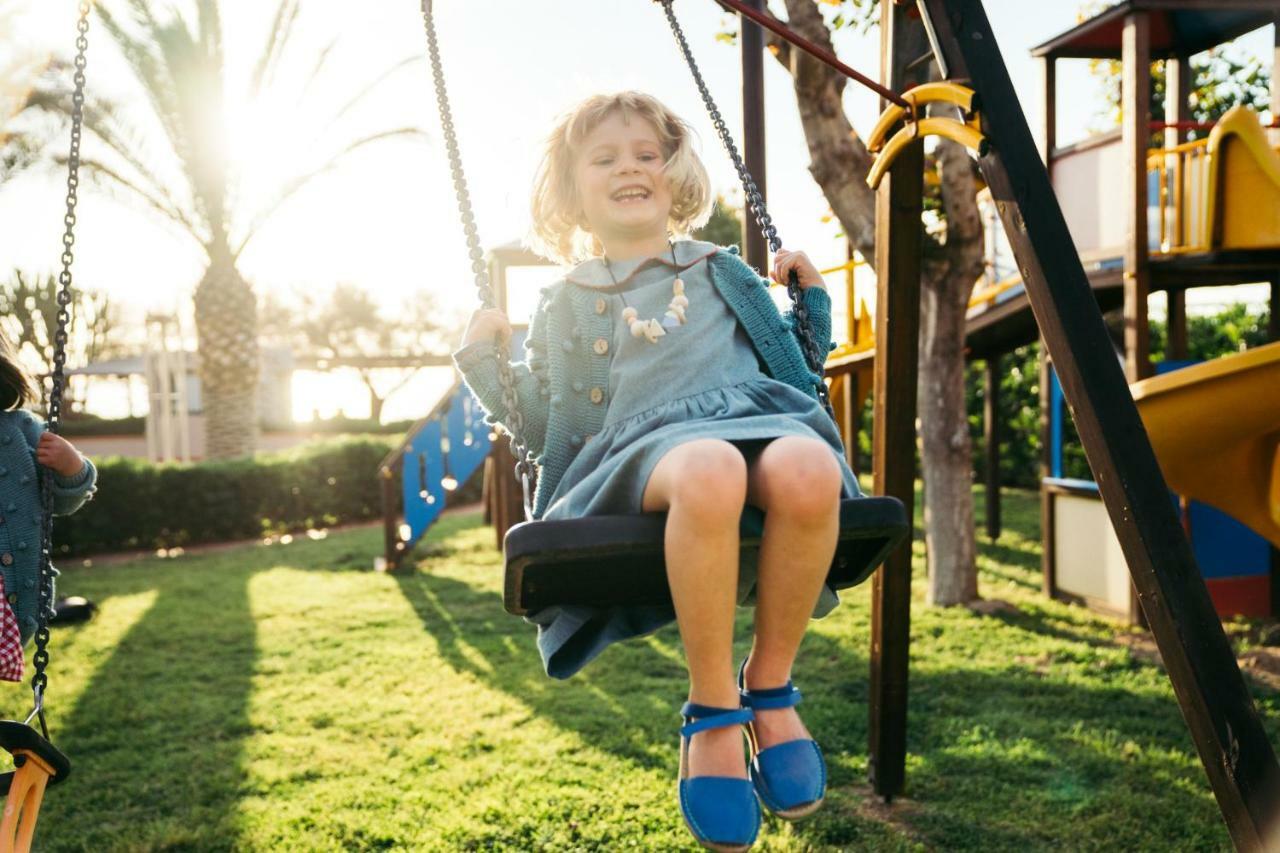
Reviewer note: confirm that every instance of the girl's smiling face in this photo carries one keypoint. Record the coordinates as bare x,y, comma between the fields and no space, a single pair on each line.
621,180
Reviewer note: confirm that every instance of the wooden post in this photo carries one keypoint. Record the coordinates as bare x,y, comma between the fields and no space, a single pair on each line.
1176,348
1177,76
1224,724
391,545
991,434
1135,112
1049,128
754,248
899,240
1273,321
1047,568
1275,81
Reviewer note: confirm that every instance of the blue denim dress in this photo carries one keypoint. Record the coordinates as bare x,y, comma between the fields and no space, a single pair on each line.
700,380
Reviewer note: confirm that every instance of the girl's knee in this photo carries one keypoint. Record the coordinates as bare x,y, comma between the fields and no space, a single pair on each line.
712,478
804,476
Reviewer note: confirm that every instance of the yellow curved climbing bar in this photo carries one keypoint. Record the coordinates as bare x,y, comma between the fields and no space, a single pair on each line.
965,134
917,97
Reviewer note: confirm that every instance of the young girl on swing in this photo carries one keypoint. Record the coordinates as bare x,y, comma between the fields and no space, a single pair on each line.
26,447
661,377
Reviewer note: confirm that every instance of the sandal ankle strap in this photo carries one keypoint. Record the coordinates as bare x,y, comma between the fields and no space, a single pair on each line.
772,697
709,717
766,698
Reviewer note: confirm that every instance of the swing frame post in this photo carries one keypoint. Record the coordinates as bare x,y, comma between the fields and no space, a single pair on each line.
899,241
1220,715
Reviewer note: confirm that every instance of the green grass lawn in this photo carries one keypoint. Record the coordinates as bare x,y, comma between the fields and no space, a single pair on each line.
286,697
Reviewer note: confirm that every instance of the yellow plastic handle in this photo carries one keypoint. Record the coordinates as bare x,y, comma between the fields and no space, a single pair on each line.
926,93
950,128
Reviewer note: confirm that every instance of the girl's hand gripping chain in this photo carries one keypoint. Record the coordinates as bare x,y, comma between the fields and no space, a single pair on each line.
806,273
485,324
55,452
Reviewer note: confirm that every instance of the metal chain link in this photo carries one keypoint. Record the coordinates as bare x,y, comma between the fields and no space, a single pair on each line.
510,398
814,355
40,679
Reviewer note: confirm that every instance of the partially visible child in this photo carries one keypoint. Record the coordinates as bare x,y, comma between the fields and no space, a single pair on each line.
25,446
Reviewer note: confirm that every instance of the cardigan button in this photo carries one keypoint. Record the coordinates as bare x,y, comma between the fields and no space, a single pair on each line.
22,546
597,394
576,441
26,478
557,399
6,558
601,346
4,472
567,343
6,439
12,598
12,506
600,305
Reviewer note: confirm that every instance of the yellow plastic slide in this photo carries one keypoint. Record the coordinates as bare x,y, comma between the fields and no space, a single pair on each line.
1244,184
1215,427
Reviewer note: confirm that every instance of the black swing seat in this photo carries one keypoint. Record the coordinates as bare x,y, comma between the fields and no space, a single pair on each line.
607,560
15,736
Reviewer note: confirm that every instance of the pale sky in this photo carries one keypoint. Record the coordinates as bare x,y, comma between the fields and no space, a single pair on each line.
387,221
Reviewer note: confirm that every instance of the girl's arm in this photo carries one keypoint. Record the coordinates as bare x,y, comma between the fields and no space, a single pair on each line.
479,367
75,478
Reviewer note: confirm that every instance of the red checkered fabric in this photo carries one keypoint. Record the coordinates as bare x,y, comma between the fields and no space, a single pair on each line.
10,641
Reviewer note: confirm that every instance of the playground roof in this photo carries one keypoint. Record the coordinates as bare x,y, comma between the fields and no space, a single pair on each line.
1178,27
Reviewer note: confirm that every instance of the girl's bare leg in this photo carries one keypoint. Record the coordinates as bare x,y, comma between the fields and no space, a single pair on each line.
796,481
702,486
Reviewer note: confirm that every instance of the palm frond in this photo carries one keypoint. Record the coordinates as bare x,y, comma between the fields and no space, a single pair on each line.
153,73
299,181
103,121
277,38
98,169
368,88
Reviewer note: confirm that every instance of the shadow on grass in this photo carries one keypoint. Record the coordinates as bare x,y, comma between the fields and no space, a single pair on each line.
156,737
626,703
1013,758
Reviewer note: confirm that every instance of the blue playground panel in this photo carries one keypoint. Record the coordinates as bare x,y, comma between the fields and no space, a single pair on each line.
452,443
1224,548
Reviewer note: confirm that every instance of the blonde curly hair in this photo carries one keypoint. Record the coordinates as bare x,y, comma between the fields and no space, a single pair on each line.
560,230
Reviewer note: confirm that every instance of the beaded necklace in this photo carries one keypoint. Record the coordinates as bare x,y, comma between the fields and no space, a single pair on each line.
651,329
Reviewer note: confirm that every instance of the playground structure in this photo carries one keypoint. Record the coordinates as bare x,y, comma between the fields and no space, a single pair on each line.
1204,213
1066,286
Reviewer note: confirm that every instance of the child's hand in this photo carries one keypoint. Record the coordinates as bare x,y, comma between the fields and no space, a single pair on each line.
54,451
484,324
806,273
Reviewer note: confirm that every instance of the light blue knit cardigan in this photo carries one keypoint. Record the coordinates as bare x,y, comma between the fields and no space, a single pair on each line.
563,361
21,514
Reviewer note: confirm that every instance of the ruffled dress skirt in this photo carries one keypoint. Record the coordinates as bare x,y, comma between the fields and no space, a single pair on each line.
731,399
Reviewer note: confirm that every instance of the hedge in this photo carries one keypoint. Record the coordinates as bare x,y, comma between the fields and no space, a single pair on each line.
143,506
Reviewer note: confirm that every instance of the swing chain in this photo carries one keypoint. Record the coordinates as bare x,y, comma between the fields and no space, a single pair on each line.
813,353
40,680
510,397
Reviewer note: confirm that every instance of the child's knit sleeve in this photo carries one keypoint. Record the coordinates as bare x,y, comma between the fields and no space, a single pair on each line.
818,303
69,493
478,364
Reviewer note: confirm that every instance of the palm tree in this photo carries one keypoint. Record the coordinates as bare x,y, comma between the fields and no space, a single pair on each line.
179,159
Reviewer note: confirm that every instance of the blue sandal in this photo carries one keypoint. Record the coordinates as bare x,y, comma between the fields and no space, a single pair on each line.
720,811
790,777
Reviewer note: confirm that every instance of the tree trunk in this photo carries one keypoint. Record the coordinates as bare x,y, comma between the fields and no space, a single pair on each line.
226,317
839,163
946,453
